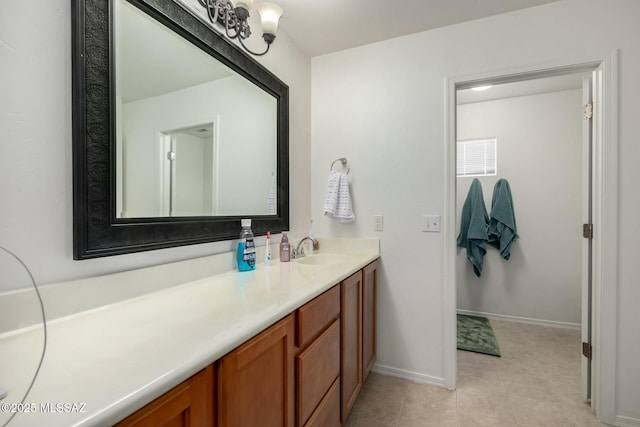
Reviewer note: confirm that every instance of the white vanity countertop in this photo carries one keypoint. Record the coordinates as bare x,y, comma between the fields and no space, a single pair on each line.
113,360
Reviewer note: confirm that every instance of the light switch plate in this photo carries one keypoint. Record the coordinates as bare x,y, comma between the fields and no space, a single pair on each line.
431,223
378,223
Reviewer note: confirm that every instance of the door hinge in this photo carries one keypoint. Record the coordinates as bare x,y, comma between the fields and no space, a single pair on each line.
588,111
587,350
587,231
171,155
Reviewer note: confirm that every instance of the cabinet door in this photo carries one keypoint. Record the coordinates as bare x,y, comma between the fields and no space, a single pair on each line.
188,404
256,381
369,318
351,342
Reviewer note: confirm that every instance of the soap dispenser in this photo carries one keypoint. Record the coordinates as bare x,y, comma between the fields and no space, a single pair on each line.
285,249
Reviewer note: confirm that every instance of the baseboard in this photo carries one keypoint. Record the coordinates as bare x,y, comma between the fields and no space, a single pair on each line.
540,322
408,375
627,421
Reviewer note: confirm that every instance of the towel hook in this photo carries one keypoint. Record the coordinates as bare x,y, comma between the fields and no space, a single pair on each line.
342,160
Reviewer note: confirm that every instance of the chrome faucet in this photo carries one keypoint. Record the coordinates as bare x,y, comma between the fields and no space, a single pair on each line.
298,252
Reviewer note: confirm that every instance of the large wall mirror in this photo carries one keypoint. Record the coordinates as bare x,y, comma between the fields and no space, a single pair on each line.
177,133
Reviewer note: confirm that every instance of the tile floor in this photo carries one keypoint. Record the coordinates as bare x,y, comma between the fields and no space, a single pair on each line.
536,382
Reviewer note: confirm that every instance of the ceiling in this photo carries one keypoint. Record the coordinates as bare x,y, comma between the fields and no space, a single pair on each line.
147,47
152,61
325,26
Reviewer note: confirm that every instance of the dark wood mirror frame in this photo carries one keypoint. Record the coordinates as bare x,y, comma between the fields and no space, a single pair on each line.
96,230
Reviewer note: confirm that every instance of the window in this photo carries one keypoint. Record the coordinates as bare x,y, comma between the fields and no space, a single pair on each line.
476,157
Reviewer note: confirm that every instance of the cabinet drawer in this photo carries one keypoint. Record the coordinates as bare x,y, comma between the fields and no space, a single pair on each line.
316,315
317,368
328,412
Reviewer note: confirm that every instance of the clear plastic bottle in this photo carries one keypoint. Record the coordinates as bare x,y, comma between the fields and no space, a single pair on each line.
267,250
246,256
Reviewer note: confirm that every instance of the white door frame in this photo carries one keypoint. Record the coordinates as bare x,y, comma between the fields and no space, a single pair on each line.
162,145
587,246
605,220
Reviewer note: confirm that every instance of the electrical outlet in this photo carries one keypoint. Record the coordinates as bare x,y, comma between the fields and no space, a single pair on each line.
378,223
431,223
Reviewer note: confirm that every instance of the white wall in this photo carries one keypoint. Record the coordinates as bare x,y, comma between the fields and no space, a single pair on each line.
539,151
35,124
246,152
382,106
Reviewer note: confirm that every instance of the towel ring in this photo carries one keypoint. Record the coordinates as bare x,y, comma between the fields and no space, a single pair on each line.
342,160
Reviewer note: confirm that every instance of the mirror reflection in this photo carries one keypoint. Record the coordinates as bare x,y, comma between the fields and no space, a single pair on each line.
193,138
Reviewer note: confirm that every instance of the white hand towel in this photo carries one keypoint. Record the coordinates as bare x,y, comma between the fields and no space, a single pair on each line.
331,202
338,204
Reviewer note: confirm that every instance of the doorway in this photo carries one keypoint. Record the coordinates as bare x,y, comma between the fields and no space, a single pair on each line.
604,219
528,133
188,181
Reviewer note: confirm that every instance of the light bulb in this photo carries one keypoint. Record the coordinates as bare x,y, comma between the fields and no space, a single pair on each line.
270,14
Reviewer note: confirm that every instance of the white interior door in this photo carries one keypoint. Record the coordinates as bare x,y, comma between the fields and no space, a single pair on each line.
587,162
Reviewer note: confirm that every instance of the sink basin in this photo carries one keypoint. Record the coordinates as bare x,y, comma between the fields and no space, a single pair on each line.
322,259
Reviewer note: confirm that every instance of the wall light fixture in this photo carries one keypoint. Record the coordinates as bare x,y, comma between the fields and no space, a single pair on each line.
233,15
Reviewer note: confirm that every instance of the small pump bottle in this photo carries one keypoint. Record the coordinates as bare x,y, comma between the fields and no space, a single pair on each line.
285,249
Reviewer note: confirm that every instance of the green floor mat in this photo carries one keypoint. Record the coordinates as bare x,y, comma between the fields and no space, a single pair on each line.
475,334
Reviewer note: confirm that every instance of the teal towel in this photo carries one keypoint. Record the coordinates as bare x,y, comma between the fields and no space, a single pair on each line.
502,225
473,227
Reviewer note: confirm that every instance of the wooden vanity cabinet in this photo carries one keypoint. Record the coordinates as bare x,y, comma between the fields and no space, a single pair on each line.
190,404
306,370
318,361
369,286
256,380
351,342
358,317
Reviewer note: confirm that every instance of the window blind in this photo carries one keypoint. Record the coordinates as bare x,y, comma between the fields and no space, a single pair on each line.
476,157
